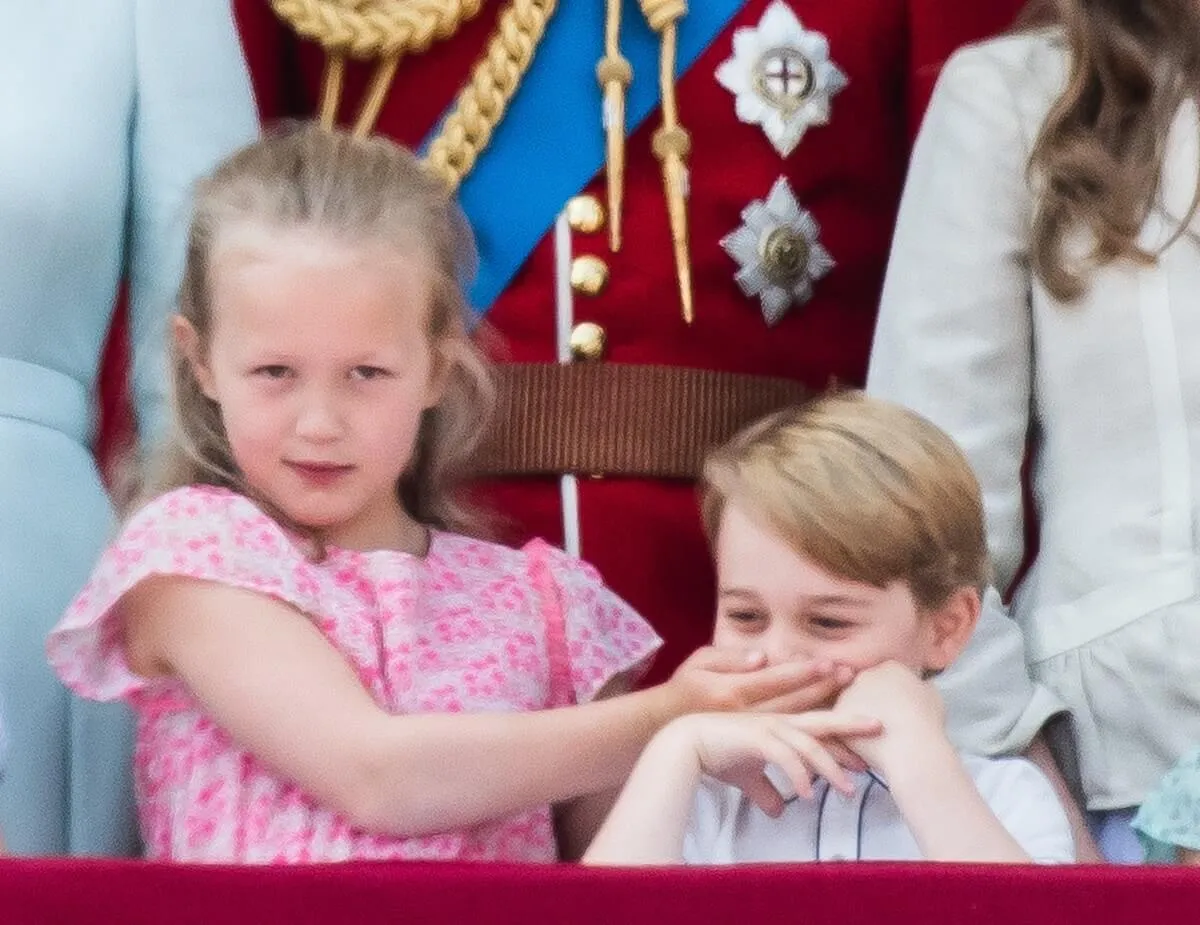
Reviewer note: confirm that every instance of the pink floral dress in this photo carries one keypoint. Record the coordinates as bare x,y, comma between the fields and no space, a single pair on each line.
471,627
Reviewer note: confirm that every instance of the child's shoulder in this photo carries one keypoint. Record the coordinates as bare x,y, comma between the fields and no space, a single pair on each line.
196,503
204,521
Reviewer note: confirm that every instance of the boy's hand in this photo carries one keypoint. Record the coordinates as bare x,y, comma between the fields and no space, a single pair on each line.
736,749
715,680
910,710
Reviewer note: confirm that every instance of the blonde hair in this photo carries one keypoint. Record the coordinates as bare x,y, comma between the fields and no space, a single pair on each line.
359,191
867,490
1098,157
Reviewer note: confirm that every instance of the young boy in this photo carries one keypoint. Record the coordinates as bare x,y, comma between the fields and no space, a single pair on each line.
848,532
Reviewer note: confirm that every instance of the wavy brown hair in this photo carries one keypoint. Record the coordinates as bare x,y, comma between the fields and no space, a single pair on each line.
358,191
1098,158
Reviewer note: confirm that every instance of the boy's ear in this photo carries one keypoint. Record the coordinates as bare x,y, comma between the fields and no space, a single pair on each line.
187,342
950,628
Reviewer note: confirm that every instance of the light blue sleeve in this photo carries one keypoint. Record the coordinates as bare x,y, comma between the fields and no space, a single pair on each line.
194,106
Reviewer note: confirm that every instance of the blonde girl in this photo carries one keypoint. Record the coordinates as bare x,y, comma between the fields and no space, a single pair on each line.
324,664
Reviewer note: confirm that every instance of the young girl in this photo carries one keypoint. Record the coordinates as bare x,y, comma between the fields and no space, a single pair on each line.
1042,298
322,669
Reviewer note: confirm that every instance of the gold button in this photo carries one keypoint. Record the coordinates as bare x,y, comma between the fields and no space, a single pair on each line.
588,341
589,275
585,213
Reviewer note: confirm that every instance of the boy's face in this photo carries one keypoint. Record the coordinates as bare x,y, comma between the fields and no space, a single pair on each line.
775,601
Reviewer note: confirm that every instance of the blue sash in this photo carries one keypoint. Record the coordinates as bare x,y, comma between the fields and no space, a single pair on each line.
551,143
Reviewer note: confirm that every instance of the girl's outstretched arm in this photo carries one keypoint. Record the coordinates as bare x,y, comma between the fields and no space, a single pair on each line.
283,692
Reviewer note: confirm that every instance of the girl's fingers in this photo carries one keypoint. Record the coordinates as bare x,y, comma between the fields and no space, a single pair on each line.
816,694
726,661
779,680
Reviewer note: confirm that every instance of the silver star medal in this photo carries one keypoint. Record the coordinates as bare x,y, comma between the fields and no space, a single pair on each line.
778,251
782,77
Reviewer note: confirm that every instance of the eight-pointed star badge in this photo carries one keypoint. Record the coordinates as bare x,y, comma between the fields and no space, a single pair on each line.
782,77
778,251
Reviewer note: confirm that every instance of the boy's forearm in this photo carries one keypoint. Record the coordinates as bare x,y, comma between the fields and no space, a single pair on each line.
945,812
648,822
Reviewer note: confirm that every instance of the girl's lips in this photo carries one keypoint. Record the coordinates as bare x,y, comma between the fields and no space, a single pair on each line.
319,473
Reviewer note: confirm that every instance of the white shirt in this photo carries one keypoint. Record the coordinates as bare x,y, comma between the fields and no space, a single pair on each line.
726,828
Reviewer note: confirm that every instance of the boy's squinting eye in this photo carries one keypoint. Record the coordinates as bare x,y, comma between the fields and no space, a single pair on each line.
744,617
367,373
272,371
831,624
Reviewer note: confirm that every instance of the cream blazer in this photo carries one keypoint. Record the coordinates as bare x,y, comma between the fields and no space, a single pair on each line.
1107,392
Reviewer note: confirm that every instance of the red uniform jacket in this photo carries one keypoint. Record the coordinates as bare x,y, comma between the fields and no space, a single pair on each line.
644,535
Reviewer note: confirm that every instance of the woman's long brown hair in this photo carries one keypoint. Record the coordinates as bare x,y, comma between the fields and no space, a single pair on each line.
1098,158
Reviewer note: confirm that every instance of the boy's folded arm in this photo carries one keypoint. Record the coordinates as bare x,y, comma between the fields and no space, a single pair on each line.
265,674
953,821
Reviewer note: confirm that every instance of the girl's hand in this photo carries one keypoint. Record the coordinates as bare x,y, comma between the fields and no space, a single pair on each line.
716,680
737,750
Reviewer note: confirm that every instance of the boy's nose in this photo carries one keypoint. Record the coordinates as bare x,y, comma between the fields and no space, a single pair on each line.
786,647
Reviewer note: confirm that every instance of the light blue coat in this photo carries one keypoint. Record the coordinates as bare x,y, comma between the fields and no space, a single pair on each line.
110,109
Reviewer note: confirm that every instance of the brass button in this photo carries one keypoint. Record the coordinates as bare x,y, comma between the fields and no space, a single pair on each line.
588,341
585,213
589,275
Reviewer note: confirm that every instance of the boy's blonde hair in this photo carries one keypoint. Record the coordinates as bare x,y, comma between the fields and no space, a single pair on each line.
358,191
867,490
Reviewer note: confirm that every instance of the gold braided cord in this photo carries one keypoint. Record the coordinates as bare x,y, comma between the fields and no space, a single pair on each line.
386,30
672,143
483,101
370,29
389,29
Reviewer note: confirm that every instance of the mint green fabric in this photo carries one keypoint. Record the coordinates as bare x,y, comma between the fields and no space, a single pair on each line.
1170,816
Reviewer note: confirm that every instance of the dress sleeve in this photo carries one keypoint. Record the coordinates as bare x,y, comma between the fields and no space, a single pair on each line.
1169,819
600,636
206,534
194,107
954,342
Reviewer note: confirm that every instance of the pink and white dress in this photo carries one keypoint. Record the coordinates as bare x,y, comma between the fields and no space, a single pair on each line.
471,627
